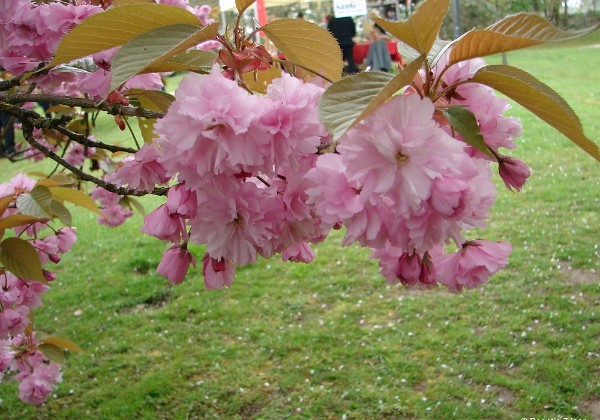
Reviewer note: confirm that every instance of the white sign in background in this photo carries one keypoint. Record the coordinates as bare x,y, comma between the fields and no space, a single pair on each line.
343,8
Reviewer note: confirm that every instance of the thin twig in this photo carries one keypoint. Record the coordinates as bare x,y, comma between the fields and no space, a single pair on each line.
28,135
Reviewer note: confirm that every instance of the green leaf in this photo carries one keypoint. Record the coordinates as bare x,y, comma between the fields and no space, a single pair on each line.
403,78
539,99
421,29
188,60
36,203
155,47
62,343
53,353
147,128
343,102
15,220
154,100
307,45
61,212
465,123
511,33
76,197
349,100
20,258
117,26
242,5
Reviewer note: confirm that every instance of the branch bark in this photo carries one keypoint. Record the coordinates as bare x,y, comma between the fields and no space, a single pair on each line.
113,109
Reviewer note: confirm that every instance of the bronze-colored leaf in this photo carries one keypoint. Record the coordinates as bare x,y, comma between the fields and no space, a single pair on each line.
258,81
77,197
421,29
20,258
61,212
117,26
147,128
5,202
53,353
343,102
15,220
511,33
539,99
351,99
186,61
118,3
62,343
36,203
154,100
307,45
242,5
154,47
402,79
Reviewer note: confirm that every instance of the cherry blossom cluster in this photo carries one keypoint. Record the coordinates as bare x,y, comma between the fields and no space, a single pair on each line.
29,33
19,349
240,168
251,181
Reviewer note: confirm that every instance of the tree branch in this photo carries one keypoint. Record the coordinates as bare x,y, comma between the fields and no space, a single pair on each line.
9,84
28,135
113,109
57,124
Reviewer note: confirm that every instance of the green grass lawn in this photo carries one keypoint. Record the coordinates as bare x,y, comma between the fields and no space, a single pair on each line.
331,339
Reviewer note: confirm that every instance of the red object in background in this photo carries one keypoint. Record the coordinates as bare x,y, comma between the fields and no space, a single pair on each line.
261,15
360,51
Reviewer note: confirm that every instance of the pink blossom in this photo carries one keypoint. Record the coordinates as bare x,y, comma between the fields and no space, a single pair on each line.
47,248
77,153
103,58
221,134
459,200
164,226
31,32
237,221
408,269
299,252
66,239
292,120
182,202
398,151
175,263
217,273
7,355
114,215
17,292
203,14
513,172
333,196
35,388
472,265
105,197
95,85
20,184
148,81
497,130
143,172
13,321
